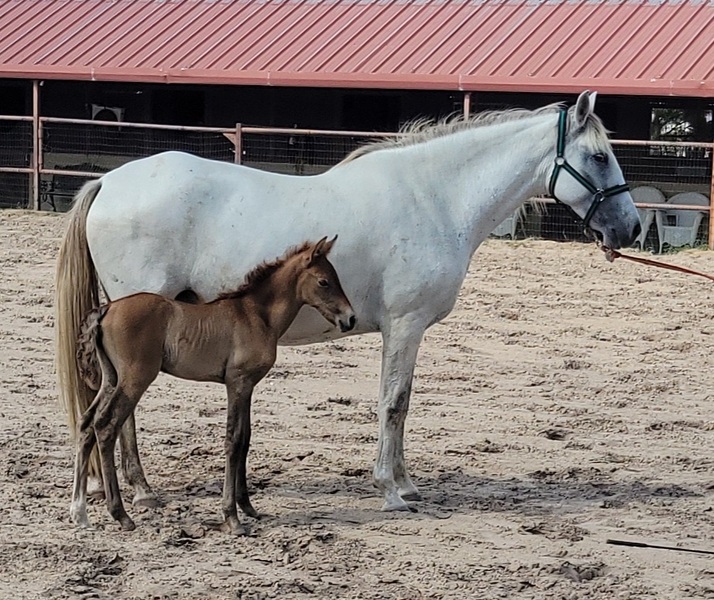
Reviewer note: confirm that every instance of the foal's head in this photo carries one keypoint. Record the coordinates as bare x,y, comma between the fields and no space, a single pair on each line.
319,286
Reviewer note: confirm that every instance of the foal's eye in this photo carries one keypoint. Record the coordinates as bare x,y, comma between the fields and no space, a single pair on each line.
323,283
600,157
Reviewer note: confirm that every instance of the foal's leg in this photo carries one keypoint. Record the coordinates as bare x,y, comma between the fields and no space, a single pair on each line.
85,444
236,447
109,380
131,465
78,509
401,339
241,483
108,422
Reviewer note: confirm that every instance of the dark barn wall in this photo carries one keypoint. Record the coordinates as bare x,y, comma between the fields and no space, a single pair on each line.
628,117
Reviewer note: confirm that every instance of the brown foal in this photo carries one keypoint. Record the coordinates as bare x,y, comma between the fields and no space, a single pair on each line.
232,340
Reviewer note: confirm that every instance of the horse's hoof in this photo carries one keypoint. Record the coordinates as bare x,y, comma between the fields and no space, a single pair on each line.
80,519
148,501
397,507
127,524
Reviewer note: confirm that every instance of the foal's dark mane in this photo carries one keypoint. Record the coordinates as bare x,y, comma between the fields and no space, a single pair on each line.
261,273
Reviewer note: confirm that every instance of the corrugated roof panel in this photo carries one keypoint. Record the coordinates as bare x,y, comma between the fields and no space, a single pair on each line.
222,38
437,42
675,45
616,46
486,26
385,36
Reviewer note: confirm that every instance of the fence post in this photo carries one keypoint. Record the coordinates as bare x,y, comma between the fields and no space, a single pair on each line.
710,239
35,144
238,158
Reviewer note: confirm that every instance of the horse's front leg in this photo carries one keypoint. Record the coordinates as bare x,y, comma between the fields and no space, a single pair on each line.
131,465
239,391
401,339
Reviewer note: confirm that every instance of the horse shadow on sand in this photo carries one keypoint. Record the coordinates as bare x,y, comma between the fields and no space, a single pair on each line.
538,495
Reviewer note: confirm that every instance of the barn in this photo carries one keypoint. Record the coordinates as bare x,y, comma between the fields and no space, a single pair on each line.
560,426
360,66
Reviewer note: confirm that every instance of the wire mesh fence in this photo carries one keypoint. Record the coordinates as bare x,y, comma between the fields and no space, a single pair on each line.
679,174
71,151
15,190
15,162
298,152
116,143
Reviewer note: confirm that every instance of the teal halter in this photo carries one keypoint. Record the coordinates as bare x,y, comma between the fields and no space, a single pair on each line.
599,194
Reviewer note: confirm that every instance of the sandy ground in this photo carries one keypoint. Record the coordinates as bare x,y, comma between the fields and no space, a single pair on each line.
565,401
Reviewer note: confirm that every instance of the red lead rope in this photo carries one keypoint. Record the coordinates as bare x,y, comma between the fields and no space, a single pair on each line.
611,255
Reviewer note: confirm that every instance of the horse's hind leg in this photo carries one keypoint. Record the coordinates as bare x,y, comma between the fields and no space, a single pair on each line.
131,465
401,344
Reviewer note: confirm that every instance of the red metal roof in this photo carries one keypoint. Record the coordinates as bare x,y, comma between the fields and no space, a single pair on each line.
614,46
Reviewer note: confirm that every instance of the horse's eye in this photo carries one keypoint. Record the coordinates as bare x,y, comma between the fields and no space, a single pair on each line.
600,157
323,283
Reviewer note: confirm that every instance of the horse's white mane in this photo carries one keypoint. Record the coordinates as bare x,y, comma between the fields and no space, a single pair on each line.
423,130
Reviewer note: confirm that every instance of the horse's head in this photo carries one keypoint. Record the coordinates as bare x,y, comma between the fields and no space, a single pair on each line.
586,176
320,287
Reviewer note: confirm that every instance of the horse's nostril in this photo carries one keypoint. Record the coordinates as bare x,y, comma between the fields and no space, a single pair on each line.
353,320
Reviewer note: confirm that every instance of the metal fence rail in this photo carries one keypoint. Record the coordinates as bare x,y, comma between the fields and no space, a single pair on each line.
43,162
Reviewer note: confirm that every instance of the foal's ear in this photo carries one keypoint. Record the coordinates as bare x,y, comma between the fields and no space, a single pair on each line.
322,248
317,250
327,246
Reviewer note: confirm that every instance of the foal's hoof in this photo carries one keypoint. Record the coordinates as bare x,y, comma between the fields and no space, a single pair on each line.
232,525
249,511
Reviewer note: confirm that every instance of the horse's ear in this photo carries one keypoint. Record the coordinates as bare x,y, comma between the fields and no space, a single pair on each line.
584,108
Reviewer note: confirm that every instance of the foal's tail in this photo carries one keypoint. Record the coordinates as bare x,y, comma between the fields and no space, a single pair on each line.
88,347
90,354
76,293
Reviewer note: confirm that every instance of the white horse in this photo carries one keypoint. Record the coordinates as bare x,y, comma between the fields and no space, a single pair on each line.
410,214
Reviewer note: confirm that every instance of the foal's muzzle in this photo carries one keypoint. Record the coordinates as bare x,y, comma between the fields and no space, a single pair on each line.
348,324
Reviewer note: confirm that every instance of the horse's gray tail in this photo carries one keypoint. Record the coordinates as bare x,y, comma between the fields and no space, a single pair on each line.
76,293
